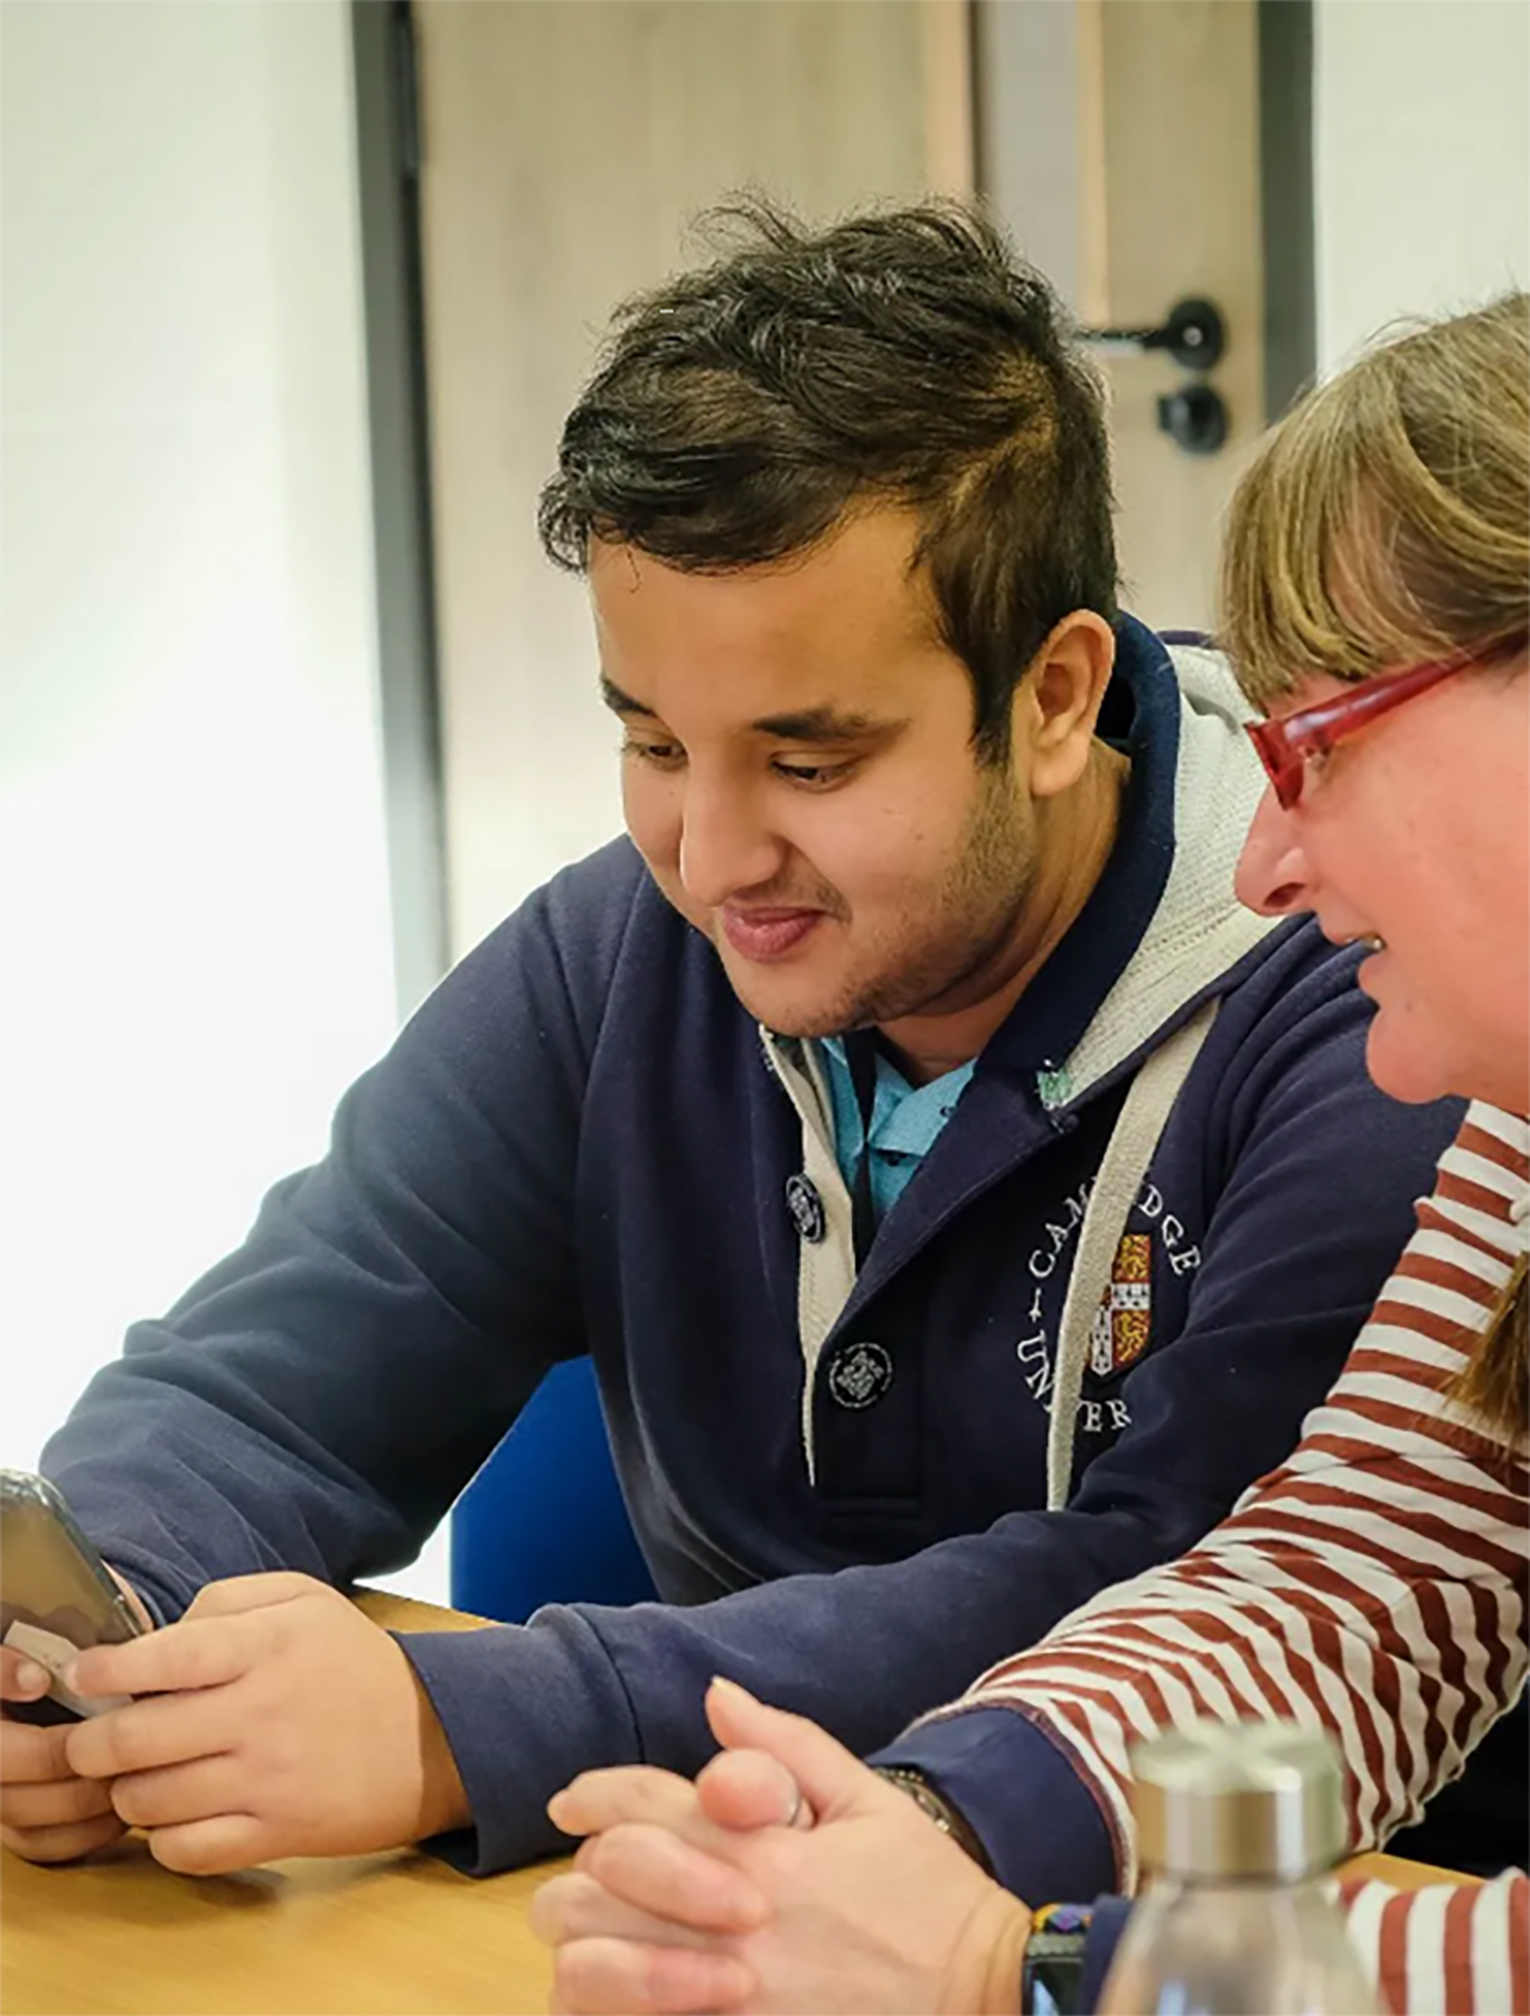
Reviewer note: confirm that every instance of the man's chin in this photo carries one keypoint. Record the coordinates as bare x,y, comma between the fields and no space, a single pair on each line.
797,1019
787,1008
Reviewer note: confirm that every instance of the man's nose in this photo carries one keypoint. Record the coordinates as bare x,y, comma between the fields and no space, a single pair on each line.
1273,874
725,844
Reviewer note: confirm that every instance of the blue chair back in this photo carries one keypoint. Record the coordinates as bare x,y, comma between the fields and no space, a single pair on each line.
544,1520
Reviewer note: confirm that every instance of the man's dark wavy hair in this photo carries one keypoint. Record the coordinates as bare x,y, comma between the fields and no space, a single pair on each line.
905,358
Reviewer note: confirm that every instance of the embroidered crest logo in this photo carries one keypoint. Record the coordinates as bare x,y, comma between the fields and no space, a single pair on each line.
1124,1320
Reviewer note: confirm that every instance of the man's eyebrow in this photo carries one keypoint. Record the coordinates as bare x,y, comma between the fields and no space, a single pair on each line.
808,724
824,724
620,702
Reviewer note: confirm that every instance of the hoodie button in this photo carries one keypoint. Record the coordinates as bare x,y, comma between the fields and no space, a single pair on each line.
859,1374
806,1207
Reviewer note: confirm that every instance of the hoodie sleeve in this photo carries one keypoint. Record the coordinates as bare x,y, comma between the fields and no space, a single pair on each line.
866,1649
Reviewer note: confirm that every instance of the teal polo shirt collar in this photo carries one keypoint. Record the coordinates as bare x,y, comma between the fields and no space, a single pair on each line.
905,1121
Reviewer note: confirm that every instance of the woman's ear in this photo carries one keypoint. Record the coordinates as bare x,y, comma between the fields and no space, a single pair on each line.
1057,703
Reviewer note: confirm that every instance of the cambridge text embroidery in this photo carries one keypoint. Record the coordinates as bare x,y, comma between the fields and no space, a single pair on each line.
1122,1331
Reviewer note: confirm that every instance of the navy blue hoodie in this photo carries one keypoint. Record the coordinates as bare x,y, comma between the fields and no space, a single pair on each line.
582,1143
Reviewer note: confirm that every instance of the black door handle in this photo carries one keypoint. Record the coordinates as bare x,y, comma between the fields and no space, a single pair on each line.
1194,335
1194,417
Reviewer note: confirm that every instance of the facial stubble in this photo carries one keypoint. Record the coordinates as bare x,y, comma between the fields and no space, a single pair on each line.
977,909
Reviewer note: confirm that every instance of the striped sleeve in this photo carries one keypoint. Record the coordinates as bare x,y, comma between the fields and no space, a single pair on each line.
1448,1950
1373,1585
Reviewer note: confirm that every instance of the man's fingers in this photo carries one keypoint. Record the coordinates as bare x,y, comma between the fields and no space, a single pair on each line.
830,1778
596,1800
745,1789
62,1803
149,1735
594,1976
214,1847
205,1790
575,1906
20,1679
207,1648
192,1654
61,1844
183,1657
31,1756
656,1871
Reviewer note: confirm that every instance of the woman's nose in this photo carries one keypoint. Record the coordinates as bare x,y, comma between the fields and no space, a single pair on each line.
1273,875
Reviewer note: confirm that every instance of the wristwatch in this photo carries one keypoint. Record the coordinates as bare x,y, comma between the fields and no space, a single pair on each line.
1052,1970
937,1808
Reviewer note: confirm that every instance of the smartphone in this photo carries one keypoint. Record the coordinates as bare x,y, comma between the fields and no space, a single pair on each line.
57,1595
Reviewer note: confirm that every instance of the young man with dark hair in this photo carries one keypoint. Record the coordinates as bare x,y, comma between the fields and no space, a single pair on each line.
905,1118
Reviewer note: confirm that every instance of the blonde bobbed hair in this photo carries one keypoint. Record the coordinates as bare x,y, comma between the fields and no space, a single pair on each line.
1386,521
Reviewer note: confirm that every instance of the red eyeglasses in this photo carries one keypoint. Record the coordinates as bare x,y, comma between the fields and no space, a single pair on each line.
1284,745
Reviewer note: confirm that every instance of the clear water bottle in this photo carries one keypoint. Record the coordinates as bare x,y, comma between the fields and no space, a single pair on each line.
1237,1828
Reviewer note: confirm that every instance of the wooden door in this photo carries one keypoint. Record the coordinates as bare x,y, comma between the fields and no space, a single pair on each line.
1121,141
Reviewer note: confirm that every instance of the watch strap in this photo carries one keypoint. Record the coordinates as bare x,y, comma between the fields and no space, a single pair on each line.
936,1807
1052,1970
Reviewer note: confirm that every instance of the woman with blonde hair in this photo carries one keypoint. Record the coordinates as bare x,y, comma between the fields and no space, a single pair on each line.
1377,610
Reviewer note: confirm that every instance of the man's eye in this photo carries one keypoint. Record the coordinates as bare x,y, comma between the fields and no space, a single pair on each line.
662,755
815,776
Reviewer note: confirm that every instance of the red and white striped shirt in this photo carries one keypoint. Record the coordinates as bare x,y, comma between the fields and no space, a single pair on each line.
1375,1584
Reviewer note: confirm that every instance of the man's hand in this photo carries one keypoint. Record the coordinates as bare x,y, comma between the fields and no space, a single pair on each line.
276,1721
48,1813
788,1877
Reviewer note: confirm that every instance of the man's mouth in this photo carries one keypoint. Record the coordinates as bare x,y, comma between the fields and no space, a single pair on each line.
768,933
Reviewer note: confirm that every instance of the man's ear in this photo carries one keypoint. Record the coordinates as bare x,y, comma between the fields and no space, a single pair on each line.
1057,702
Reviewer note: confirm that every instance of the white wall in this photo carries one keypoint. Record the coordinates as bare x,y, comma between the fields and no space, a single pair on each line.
1421,119
195,913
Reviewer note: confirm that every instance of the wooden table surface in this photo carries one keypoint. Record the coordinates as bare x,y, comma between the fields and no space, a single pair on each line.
380,1935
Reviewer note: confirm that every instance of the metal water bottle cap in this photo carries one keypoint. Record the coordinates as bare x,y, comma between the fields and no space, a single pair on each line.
1253,1799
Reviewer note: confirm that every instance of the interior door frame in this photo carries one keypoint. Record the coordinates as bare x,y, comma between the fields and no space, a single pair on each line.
1286,204
388,147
